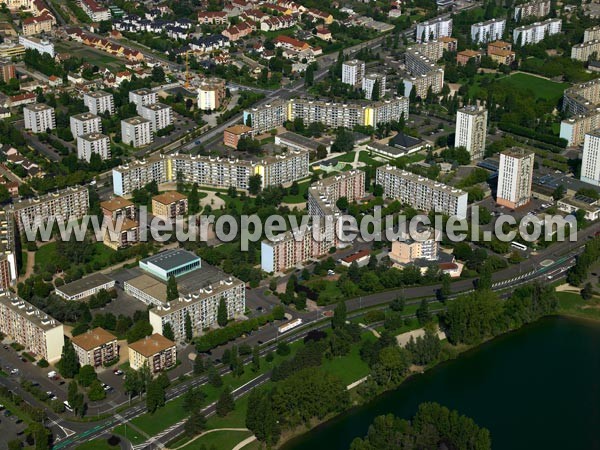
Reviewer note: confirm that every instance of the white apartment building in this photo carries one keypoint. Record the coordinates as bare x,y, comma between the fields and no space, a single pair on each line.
136,131
488,31
202,307
574,129
94,11
99,102
31,327
39,118
142,97
353,72
422,193
211,94
266,117
591,34
88,144
536,32
323,195
211,171
585,50
590,165
85,123
433,79
434,29
536,8
69,204
41,45
8,259
368,83
159,115
582,98
514,177
471,130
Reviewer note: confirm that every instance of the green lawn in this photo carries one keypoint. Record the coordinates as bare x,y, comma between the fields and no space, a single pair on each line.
47,253
349,368
96,444
571,304
225,440
299,198
130,434
544,89
348,157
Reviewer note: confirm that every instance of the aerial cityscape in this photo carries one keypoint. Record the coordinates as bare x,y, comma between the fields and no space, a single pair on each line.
264,224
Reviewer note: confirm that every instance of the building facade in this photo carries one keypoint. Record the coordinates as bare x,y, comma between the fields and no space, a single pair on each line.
85,123
515,177
31,327
536,8
39,118
582,98
159,115
201,306
95,347
136,131
43,46
68,204
471,130
353,72
142,97
93,143
536,32
323,195
8,259
155,351
211,94
575,128
585,50
490,30
421,193
434,29
233,134
169,205
407,251
590,165
99,102
370,81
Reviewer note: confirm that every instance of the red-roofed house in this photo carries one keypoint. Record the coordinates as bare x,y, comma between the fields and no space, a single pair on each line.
39,24
320,15
324,33
291,43
95,12
360,258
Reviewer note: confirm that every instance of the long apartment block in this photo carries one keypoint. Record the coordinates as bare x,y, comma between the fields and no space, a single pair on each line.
202,307
8,259
70,203
31,327
211,171
582,98
422,193
269,116
323,195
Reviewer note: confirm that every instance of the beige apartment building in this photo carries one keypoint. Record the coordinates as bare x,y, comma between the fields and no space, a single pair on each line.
8,259
323,195
169,205
127,235
118,207
407,250
575,128
156,351
31,327
69,203
515,177
585,50
95,347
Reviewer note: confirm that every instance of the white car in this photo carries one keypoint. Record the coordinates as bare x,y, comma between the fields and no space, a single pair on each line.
68,406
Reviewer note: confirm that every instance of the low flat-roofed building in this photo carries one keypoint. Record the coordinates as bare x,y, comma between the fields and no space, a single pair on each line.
95,347
85,287
158,352
147,289
174,262
406,143
170,205
296,141
571,204
361,258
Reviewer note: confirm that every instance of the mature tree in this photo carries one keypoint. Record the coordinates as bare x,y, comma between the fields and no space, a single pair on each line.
189,333
226,403
309,76
214,377
339,316
261,418
199,366
342,203
255,358
172,291
133,384
96,391
195,424
193,399
391,367
168,331
139,330
344,141
587,292
398,304
375,91
471,318
254,184
194,200
86,375
41,436
155,397
222,313
446,288
68,365
423,314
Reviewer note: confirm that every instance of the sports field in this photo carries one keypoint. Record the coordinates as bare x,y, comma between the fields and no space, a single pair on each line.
542,88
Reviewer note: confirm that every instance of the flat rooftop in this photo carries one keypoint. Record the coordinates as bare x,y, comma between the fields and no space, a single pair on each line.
84,284
171,259
169,197
26,310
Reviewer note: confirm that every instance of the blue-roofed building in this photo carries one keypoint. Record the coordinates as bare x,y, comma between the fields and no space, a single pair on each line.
175,262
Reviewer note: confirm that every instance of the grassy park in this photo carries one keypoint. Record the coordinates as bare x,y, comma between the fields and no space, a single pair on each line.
542,88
